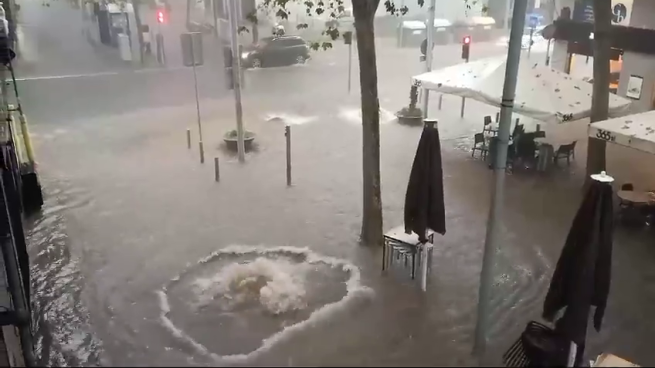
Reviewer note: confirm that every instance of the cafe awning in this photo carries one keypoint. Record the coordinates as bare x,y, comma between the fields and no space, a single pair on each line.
541,93
635,131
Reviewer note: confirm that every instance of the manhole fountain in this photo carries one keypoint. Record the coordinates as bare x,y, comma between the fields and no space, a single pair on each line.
240,301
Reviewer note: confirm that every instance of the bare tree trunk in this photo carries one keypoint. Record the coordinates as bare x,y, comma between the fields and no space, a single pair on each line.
600,96
364,12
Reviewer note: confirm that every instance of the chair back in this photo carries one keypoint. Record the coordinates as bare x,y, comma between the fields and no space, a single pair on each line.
479,138
628,187
540,134
487,120
566,148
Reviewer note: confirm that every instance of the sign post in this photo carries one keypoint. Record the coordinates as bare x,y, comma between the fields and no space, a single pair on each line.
348,40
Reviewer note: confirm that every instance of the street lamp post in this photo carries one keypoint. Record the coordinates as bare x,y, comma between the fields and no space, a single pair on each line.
236,75
497,198
428,53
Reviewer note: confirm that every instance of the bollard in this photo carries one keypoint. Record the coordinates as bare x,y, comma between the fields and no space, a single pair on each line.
217,173
188,138
461,113
497,117
202,152
440,100
287,134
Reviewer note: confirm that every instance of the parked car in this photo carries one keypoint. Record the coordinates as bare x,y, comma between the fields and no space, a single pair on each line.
537,36
345,21
276,51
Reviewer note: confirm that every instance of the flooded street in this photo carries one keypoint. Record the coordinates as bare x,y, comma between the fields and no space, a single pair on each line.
132,219
140,258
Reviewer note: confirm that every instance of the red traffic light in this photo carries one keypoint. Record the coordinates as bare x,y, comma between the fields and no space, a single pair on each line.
161,17
466,40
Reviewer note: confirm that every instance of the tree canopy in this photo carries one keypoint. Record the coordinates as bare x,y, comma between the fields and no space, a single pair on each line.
327,10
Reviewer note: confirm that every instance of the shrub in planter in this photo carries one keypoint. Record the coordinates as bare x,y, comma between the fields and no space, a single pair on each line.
230,139
411,114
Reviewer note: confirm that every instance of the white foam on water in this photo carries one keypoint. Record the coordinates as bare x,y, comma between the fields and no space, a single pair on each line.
277,284
278,287
354,115
290,119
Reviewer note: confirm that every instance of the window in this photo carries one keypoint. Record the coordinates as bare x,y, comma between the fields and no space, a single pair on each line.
292,42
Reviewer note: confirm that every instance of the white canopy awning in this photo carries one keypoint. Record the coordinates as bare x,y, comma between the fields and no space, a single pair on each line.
541,92
635,131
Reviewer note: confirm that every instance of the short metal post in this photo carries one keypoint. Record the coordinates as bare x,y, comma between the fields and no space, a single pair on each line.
461,113
350,62
188,138
202,152
440,100
287,134
497,117
217,173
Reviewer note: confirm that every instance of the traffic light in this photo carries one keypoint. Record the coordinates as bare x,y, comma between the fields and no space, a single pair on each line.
466,45
161,16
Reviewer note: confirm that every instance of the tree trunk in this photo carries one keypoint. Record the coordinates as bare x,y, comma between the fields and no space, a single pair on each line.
364,11
600,96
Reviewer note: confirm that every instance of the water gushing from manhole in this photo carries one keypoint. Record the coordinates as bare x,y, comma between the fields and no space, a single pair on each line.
240,301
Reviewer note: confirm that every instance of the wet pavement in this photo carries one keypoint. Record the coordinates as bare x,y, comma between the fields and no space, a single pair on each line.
123,266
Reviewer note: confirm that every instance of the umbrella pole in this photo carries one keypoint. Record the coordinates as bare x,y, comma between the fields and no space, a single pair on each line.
573,348
495,210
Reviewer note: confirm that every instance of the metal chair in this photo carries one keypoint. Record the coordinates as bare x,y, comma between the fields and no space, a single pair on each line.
566,151
487,128
627,187
479,144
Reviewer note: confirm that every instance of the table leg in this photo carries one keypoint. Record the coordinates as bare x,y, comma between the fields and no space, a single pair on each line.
384,255
413,265
429,260
424,267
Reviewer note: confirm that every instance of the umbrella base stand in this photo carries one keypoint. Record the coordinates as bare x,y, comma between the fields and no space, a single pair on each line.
404,251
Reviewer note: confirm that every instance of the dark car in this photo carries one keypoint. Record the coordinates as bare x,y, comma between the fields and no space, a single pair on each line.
276,51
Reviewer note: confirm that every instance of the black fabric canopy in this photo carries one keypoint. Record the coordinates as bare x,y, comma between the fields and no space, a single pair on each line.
424,200
583,272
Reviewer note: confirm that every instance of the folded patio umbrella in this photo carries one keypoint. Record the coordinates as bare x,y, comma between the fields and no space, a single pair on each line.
424,200
583,272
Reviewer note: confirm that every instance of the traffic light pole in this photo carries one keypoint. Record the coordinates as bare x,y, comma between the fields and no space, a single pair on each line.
428,53
497,197
159,39
236,76
461,112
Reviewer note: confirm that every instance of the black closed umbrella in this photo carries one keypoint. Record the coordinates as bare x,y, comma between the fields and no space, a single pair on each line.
424,200
583,272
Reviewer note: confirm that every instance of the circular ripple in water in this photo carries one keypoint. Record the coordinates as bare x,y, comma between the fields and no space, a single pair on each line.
240,301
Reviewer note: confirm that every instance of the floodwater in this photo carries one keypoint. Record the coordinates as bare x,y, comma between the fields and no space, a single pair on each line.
140,258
